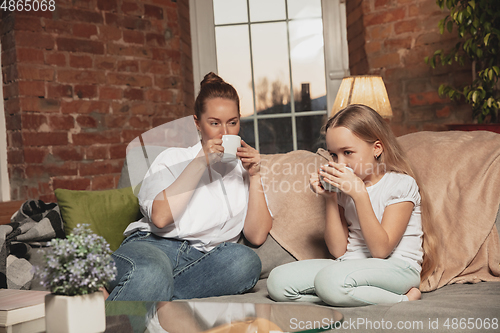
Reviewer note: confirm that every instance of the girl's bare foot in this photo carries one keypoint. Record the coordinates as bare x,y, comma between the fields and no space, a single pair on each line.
413,294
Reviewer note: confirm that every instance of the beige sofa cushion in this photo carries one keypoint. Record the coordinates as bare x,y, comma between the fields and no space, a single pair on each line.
298,213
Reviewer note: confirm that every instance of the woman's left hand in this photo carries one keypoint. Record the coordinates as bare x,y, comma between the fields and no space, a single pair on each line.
250,158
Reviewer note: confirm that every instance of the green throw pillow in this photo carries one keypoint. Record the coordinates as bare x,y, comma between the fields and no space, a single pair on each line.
107,212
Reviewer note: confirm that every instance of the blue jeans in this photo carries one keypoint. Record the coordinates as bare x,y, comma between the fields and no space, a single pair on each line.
343,283
153,268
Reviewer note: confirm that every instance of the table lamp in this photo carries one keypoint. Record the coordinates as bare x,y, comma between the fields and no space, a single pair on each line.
363,89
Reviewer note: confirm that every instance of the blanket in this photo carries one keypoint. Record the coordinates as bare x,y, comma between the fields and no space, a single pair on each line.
35,222
460,172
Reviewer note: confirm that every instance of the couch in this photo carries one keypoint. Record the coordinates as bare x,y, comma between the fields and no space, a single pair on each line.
460,172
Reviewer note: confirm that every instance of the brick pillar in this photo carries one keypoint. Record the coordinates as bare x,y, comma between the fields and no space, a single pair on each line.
391,38
84,80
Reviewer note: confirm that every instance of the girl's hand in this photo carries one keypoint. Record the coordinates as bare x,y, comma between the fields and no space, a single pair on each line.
213,149
339,176
250,158
315,185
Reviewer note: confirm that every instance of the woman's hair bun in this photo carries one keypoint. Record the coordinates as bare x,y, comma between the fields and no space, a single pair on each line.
211,78
213,86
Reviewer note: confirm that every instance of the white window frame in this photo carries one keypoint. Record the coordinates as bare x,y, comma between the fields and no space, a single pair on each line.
4,171
204,53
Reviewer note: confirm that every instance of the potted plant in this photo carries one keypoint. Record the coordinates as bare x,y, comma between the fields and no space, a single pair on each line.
477,23
75,269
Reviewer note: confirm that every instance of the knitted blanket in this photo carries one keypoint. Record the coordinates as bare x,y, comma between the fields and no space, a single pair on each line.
32,225
460,171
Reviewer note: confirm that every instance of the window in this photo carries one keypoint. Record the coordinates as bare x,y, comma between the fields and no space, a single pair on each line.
273,52
4,174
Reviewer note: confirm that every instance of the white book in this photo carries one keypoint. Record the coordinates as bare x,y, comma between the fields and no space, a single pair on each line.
18,306
32,326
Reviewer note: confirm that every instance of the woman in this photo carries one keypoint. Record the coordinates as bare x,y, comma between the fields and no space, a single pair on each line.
195,208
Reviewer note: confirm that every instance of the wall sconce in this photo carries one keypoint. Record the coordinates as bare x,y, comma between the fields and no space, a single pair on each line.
363,89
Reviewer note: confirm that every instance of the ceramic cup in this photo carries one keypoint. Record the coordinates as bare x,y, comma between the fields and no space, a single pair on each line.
329,187
230,144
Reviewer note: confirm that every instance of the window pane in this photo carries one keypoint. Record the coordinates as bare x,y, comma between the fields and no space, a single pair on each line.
308,64
309,135
267,10
271,74
304,8
233,62
230,11
247,131
275,135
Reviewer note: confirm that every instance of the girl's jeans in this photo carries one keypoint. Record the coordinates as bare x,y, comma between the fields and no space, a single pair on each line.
343,283
152,268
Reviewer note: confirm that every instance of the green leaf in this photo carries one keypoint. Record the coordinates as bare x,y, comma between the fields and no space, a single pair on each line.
496,69
449,26
486,39
475,95
476,23
472,4
490,74
461,31
441,26
441,90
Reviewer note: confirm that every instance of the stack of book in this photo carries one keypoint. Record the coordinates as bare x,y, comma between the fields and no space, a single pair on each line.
22,311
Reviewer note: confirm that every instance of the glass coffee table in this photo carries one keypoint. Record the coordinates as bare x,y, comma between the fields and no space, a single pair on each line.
212,317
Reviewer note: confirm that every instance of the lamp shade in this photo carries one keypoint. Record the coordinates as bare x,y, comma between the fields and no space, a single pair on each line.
364,89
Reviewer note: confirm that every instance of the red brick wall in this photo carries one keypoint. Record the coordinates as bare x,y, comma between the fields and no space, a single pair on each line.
391,38
84,80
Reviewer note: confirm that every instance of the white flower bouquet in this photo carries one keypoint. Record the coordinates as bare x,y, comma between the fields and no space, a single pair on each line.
77,265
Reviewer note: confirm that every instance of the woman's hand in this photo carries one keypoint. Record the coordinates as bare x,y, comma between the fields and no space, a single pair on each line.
250,158
213,149
339,176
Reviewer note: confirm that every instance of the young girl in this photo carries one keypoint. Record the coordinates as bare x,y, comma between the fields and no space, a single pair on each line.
373,225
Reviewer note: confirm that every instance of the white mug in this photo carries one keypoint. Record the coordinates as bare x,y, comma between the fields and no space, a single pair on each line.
329,187
230,144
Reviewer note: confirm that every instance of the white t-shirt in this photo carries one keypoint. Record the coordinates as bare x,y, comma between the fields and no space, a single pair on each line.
392,188
217,210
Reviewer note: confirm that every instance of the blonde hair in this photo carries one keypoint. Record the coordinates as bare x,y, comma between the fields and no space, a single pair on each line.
369,126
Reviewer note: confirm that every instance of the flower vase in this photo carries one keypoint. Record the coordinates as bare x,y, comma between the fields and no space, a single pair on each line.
74,314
